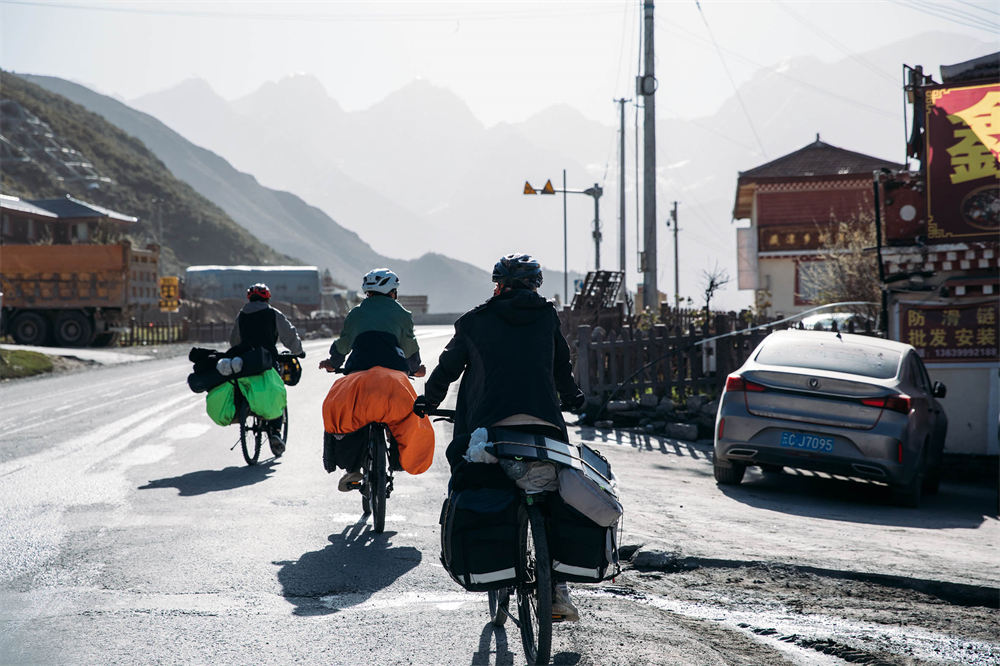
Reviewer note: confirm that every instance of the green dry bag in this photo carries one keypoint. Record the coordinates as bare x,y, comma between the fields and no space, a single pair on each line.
265,393
220,405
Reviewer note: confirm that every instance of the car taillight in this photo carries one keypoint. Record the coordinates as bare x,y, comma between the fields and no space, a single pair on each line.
899,451
722,424
897,403
737,383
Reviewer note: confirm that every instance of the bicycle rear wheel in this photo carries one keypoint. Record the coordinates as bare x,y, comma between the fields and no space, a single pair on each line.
534,591
251,436
374,492
499,605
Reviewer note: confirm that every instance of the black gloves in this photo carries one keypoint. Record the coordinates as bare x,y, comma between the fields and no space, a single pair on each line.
302,354
574,405
422,406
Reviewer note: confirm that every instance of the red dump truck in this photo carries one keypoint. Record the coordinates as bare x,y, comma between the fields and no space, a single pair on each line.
74,295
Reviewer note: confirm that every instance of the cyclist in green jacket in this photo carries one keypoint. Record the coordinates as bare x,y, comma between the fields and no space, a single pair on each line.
379,331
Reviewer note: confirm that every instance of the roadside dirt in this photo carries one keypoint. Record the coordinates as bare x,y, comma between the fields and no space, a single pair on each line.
808,612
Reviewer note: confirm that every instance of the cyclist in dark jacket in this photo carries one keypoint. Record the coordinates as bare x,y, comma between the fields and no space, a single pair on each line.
260,325
514,356
517,373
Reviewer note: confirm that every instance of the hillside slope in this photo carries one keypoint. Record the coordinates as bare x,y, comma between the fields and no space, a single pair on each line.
195,230
280,219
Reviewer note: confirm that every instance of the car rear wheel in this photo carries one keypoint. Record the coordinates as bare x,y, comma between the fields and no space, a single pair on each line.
909,494
729,474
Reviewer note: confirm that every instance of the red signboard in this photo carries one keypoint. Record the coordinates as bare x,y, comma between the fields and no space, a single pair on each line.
951,333
963,174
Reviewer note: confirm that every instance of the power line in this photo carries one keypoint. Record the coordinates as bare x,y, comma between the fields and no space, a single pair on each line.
805,84
732,82
468,13
985,9
954,16
829,38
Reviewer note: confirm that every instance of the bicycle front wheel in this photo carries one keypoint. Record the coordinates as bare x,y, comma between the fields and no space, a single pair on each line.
251,435
534,591
377,477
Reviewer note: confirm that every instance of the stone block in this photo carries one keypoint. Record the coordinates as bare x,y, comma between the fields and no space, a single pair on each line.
686,431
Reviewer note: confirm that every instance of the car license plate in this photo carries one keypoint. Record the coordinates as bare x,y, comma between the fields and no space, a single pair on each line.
806,441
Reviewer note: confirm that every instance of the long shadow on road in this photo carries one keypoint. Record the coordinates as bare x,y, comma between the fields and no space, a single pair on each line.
504,657
596,437
357,564
956,506
214,480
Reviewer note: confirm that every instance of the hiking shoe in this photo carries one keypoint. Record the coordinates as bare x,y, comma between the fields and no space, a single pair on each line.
563,609
277,444
350,481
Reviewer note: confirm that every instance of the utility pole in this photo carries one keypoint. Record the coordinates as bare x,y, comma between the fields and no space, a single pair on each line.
596,191
621,185
565,251
677,288
647,89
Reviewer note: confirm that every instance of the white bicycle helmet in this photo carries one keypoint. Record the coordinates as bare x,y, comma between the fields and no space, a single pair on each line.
381,280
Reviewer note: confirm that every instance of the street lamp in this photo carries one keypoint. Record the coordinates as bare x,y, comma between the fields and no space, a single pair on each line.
596,191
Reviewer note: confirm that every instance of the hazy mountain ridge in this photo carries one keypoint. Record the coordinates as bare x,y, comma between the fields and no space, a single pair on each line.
195,229
444,183
282,219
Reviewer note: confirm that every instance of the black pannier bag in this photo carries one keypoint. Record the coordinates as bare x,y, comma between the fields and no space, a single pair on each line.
479,537
581,550
345,451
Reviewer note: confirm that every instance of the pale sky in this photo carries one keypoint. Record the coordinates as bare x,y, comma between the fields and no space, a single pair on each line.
507,60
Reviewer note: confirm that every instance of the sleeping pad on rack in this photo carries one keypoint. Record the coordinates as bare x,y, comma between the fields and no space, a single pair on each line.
380,395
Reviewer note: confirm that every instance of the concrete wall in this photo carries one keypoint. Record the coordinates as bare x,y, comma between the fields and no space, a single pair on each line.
779,273
972,405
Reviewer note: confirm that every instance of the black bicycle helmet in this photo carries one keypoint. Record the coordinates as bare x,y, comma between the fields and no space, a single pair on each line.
518,271
258,292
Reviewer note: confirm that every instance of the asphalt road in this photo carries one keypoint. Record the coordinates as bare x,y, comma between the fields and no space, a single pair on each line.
132,532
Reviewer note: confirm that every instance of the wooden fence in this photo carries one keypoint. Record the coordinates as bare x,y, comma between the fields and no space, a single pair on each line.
628,363
676,360
214,333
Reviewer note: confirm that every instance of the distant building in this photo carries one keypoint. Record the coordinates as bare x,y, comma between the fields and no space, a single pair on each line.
415,304
794,204
62,221
940,253
298,285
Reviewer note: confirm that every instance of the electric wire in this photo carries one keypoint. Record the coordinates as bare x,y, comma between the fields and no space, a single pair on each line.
964,19
469,12
804,84
732,82
985,9
830,39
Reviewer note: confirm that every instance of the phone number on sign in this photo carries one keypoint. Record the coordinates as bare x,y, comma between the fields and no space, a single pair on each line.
801,440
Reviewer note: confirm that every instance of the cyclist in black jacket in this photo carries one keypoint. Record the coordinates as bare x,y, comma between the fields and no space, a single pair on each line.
517,373
260,325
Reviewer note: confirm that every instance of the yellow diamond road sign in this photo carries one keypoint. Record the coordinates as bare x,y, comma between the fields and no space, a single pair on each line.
170,292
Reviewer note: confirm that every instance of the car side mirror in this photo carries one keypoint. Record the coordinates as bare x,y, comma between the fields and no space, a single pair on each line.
939,390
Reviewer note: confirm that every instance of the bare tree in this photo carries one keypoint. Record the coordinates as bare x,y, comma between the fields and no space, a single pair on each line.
713,280
846,269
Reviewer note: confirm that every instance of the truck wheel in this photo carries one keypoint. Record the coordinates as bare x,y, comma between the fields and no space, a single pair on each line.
73,329
30,328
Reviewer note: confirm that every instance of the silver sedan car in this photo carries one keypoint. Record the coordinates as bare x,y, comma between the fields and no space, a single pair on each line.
849,405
